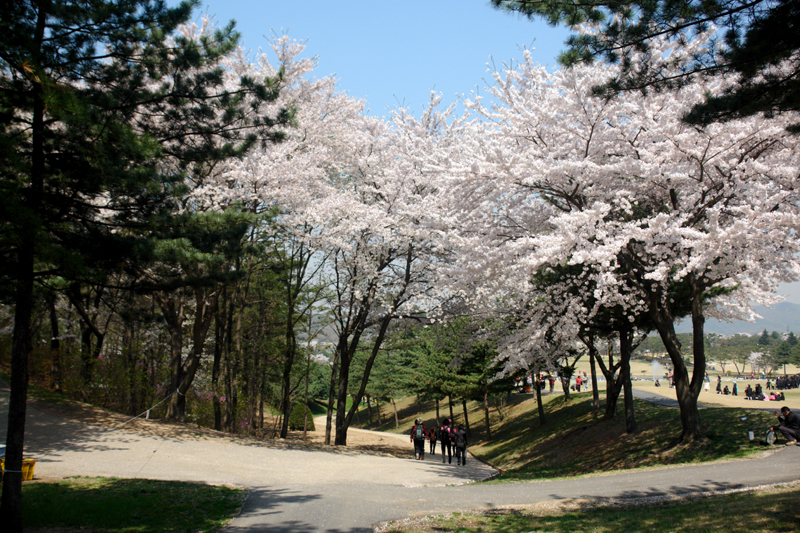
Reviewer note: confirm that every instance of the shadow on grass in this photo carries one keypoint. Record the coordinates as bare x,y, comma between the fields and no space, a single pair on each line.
576,440
128,505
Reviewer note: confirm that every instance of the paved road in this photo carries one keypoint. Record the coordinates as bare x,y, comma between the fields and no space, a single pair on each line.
309,491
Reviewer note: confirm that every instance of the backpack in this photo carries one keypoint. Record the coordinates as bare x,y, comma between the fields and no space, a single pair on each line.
419,432
444,434
460,442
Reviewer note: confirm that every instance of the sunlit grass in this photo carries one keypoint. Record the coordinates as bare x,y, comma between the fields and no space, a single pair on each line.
764,511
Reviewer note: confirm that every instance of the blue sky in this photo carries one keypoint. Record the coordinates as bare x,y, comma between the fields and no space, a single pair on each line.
393,53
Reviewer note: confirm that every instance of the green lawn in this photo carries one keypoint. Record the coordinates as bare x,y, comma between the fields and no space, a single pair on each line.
764,511
109,505
575,440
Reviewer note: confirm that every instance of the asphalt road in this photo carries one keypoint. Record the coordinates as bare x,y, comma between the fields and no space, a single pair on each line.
294,490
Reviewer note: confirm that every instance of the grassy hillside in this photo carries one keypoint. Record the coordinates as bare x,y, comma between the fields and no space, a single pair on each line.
574,440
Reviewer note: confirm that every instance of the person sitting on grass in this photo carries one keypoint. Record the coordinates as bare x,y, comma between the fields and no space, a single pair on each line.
789,425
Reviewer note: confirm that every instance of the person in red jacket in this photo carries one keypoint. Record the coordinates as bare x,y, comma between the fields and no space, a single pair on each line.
419,434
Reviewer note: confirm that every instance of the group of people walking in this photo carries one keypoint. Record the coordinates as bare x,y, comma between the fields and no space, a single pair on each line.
452,437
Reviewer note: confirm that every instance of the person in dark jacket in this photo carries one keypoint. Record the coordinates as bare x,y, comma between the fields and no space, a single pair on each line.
789,425
444,437
419,434
460,442
432,436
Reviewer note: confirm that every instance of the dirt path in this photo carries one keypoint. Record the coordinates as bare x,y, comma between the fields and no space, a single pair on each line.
358,440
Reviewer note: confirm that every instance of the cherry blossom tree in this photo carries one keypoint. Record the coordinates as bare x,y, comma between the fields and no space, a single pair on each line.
664,220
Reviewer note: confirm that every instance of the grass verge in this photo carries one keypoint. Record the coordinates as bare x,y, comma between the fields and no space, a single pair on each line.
110,505
771,510
575,440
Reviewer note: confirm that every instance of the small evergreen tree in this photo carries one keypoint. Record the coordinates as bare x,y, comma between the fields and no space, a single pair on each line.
301,414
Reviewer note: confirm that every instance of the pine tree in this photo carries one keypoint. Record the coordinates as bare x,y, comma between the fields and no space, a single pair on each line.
760,37
104,111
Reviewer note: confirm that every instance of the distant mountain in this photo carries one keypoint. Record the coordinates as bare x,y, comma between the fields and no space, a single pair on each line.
783,317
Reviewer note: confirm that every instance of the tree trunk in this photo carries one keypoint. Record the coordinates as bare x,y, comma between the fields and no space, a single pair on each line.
215,367
343,422
625,341
540,407
131,362
11,507
305,395
396,419
613,385
331,393
593,366
229,422
86,361
183,372
686,391
369,409
55,346
500,411
288,364
437,413
466,417
22,344
450,404
486,414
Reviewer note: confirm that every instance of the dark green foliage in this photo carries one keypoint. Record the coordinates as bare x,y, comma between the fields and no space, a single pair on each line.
758,36
300,409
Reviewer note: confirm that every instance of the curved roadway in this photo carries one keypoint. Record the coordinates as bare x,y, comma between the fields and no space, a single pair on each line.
295,490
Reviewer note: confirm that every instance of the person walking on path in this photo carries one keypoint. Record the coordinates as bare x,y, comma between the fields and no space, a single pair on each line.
444,436
419,434
789,425
432,436
460,442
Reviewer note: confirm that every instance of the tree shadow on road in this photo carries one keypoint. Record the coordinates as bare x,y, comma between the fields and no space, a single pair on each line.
260,512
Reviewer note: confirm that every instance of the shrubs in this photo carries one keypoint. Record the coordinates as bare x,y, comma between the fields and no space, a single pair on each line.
296,418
